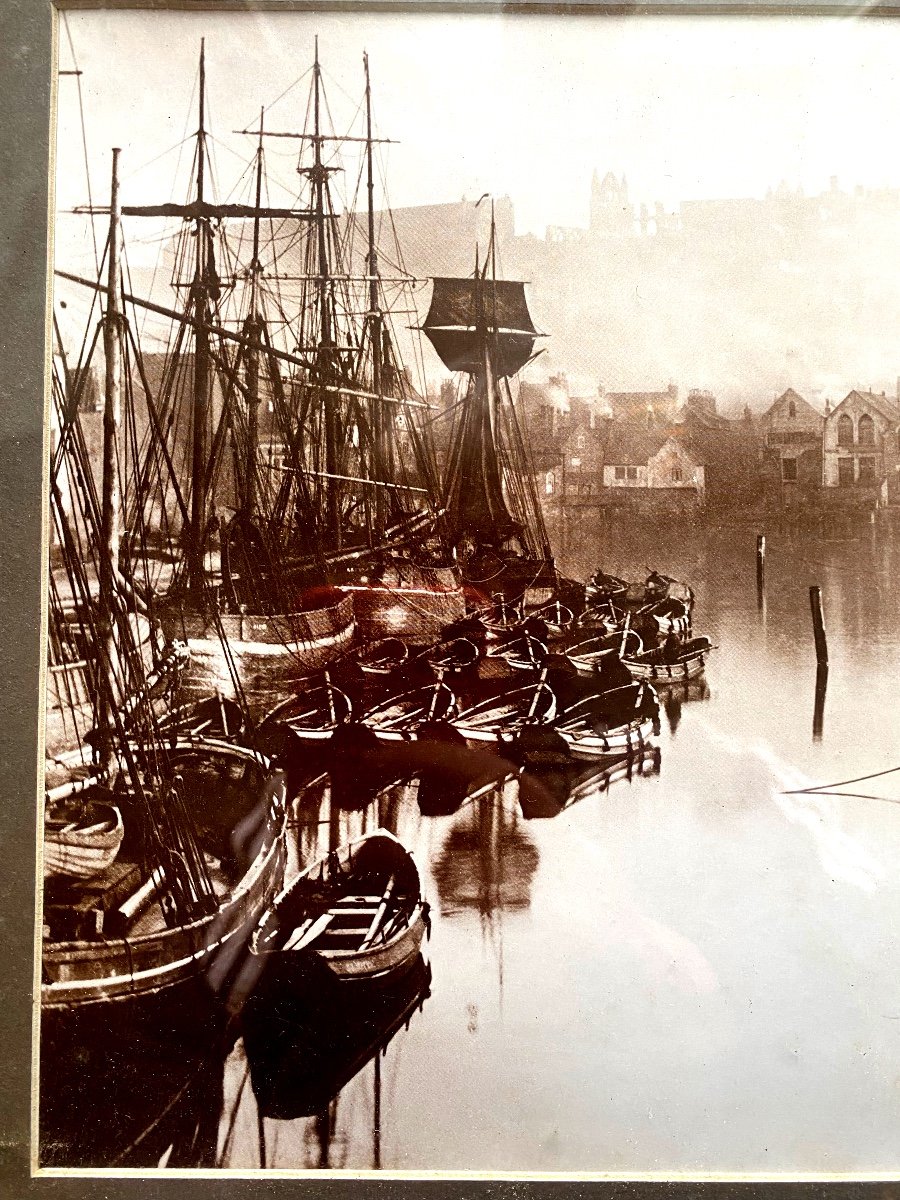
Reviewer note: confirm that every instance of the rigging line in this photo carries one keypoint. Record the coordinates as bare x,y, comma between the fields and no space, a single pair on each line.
87,171
279,98
842,783
162,154
843,795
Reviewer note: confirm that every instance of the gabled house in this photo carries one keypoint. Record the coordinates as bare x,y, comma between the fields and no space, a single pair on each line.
861,451
791,433
651,468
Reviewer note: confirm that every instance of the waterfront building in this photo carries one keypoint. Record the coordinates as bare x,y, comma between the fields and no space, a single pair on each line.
791,432
861,452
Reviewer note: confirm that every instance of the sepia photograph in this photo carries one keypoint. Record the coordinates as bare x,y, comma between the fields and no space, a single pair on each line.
470,738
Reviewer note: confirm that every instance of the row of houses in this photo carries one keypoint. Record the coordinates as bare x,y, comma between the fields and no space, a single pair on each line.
653,450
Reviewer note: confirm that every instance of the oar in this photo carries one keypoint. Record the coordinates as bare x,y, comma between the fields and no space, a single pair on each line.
304,934
222,712
379,914
625,635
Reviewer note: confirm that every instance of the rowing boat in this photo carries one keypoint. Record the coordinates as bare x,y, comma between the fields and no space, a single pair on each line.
358,909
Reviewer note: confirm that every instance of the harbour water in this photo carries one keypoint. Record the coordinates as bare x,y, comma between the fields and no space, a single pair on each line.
688,969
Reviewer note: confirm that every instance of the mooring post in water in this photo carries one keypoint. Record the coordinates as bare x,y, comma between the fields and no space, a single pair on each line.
819,708
815,604
760,568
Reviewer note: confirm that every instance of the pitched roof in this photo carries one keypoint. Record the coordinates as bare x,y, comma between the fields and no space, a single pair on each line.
889,409
630,446
634,399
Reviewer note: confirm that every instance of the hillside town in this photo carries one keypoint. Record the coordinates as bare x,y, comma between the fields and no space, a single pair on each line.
658,453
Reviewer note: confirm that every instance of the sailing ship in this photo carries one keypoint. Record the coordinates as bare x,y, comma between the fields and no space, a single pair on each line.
483,331
146,937
365,458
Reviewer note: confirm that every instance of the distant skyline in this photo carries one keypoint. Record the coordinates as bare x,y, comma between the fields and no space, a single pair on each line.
525,106
692,108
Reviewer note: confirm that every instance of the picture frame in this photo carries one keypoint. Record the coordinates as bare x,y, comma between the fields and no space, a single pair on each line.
24,578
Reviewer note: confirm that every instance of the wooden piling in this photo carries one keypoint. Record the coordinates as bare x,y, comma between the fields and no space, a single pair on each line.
760,568
819,707
815,604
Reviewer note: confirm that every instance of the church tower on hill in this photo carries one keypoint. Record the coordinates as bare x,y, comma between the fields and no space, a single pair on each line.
612,214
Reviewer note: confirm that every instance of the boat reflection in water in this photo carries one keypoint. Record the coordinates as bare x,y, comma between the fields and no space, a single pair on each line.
149,1101
568,784
487,861
304,1046
675,695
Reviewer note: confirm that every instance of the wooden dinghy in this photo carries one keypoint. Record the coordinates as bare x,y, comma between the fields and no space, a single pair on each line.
359,910
81,837
557,617
660,666
383,656
452,654
399,718
502,616
594,726
588,657
503,716
521,649
672,616
602,587
316,713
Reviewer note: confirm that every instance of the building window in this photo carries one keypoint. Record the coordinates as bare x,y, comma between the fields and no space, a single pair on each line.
575,462
789,470
866,467
549,483
632,472
845,430
676,475
845,472
792,409
866,430
620,472
579,442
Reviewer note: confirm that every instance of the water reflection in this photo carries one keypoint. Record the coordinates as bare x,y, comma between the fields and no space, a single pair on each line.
819,706
561,789
134,1097
305,1043
487,860
675,695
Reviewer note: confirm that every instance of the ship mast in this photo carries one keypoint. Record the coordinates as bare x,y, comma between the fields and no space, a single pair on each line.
110,532
376,321
254,331
318,177
200,296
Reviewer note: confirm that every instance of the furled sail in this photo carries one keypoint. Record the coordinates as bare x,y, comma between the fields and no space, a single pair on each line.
463,310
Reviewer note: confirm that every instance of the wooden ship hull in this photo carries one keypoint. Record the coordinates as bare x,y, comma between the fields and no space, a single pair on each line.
281,647
115,967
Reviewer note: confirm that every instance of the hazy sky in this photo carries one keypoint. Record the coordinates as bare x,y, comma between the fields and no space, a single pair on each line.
521,105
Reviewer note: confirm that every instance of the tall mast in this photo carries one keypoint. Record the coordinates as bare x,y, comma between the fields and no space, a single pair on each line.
254,334
201,354
326,356
376,322
112,415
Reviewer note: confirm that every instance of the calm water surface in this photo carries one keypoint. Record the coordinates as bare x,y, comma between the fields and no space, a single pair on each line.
686,970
